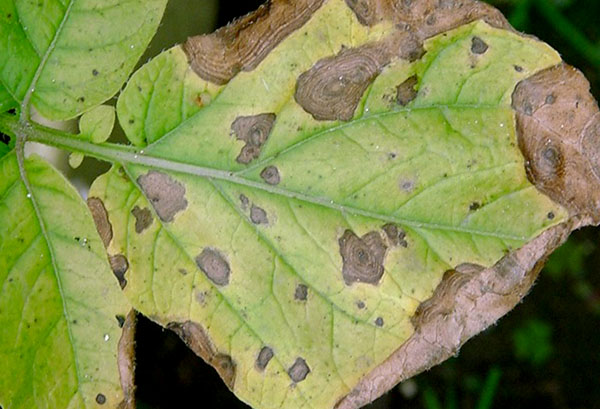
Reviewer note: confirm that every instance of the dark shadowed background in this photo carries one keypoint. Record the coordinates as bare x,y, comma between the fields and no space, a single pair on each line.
545,353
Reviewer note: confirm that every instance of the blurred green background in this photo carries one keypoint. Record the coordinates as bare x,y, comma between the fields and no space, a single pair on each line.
546,353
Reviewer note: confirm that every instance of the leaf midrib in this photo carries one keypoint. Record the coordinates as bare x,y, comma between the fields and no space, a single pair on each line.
129,155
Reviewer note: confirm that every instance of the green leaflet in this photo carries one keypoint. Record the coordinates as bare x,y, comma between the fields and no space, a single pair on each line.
254,252
72,54
59,301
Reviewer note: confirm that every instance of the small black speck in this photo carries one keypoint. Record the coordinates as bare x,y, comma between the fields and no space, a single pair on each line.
12,111
360,305
120,320
100,399
550,99
4,138
95,72
379,322
81,99
474,206
551,216
131,121
518,68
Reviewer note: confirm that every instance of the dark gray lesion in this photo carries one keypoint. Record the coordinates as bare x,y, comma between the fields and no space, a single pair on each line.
254,130
258,215
264,357
334,86
143,218
407,91
362,257
214,265
271,175
301,292
100,216
478,46
119,265
165,194
299,370
395,235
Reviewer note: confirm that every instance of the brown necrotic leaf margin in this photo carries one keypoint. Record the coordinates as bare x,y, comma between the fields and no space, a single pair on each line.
243,44
558,126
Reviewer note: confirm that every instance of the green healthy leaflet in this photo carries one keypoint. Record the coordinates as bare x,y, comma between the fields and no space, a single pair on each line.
60,304
71,54
251,257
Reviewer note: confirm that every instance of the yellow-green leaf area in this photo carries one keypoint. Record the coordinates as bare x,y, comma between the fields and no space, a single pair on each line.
59,300
161,95
305,262
97,125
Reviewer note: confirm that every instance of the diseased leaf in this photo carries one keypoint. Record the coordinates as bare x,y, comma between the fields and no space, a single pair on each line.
60,306
338,194
72,54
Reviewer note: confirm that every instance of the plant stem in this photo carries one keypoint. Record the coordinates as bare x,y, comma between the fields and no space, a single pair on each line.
569,31
520,15
489,389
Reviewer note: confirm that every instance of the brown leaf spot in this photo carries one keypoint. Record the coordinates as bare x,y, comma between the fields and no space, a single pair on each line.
201,297
299,370
143,218
426,18
560,140
301,292
119,266
396,236
443,299
474,206
244,201
100,216
333,87
243,44
264,356
166,195
468,300
406,92
213,264
126,361
270,174
258,215
254,130
196,338
367,12
478,46
120,320
362,257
